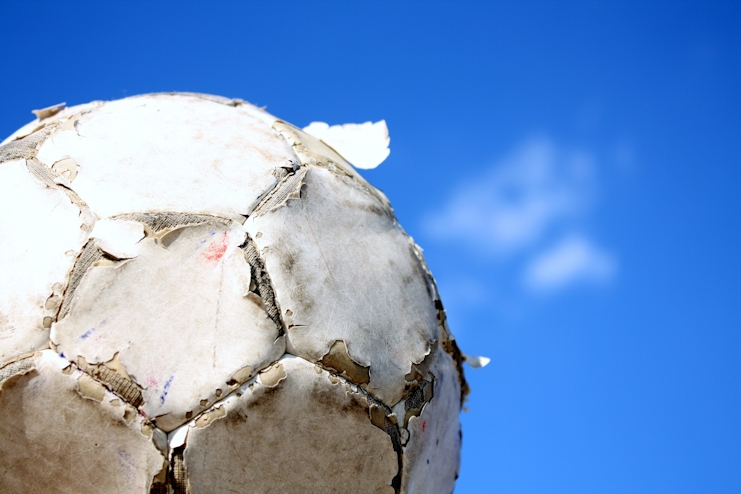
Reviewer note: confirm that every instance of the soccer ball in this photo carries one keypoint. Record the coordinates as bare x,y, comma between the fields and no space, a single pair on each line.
196,296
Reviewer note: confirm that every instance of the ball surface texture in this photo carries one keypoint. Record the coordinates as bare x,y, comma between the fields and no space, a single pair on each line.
198,297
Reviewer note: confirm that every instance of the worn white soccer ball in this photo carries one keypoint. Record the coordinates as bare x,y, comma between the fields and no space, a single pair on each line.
196,296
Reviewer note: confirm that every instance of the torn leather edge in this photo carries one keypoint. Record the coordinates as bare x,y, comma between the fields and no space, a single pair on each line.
27,146
263,285
19,366
339,166
51,123
338,359
157,221
177,475
446,339
288,187
386,420
49,111
121,385
89,255
52,179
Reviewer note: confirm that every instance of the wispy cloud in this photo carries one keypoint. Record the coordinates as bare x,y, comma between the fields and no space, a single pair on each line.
571,261
530,209
513,204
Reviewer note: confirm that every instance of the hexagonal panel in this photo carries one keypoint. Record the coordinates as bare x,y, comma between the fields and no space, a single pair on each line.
343,270
169,153
298,429
179,317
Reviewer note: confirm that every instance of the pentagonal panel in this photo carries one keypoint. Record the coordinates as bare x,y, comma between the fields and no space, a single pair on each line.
432,453
61,432
180,317
297,429
343,270
39,236
169,152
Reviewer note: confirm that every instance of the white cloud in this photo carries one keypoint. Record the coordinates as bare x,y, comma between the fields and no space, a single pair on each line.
573,260
527,216
514,203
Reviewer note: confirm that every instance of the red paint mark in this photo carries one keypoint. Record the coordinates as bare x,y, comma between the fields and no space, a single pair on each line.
424,425
217,249
143,413
152,382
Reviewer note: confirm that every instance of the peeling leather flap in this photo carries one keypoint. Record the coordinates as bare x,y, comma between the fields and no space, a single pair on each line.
89,255
263,287
25,147
166,221
288,188
178,475
17,367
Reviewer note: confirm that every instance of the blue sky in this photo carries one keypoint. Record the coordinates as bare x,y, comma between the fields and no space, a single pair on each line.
570,168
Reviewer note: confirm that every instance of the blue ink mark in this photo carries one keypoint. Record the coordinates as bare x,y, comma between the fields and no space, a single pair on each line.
62,355
33,390
125,456
197,247
428,462
126,460
166,389
87,334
